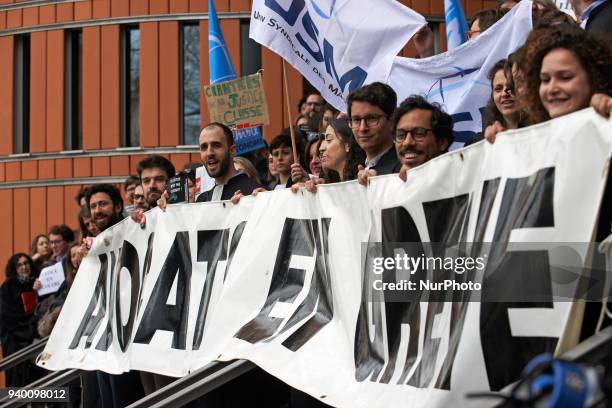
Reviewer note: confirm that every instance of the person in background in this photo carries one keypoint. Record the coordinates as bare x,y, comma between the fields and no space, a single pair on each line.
244,165
49,316
595,15
129,186
80,197
139,199
154,172
314,103
18,300
190,169
339,152
329,112
502,111
311,154
507,4
282,155
301,106
87,224
303,122
482,20
40,250
59,238
272,179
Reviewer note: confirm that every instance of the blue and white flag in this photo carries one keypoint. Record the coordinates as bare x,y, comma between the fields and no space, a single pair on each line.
456,26
221,70
458,79
220,63
338,45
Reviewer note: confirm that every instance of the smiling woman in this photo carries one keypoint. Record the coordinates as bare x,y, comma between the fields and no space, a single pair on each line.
567,69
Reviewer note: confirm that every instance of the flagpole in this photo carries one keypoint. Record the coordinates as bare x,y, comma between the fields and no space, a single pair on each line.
291,129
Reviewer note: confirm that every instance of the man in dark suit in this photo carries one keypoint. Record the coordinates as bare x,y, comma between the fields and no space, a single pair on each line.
596,15
370,109
217,150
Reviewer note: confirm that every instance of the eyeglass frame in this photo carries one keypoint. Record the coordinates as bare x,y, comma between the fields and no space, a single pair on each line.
417,138
374,117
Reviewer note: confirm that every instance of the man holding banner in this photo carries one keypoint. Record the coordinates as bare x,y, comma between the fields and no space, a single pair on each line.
217,151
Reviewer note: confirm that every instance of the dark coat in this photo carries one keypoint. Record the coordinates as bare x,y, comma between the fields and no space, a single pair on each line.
240,182
600,19
17,328
388,163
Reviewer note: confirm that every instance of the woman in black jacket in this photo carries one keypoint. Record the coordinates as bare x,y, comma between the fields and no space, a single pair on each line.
18,299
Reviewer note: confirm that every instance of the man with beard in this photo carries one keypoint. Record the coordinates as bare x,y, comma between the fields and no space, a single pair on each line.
154,173
217,151
421,131
105,205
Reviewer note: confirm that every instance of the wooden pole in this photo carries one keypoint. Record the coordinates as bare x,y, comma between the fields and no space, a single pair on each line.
291,129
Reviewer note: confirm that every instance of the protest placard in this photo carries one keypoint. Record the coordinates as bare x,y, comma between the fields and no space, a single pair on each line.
239,103
51,278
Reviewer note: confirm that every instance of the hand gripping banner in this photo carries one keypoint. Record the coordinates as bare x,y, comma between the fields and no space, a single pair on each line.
293,282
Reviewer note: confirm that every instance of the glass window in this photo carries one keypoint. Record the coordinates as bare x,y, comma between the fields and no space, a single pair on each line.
21,95
250,51
190,109
73,74
131,87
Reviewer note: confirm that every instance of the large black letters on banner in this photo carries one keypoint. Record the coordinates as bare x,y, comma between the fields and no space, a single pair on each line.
397,226
212,248
90,323
107,338
127,259
447,223
160,316
527,203
459,306
299,237
233,245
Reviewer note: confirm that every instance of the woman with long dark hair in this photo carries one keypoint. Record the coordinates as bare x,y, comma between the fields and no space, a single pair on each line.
340,152
18,299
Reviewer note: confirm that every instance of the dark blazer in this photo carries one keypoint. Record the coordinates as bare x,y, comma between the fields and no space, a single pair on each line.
240,182
600,19
388,163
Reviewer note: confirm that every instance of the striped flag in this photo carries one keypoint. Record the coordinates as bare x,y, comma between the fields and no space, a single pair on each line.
456,25
221,70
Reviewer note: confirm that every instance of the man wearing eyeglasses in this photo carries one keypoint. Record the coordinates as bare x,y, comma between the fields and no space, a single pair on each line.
369,111
314,104
60,236
422,131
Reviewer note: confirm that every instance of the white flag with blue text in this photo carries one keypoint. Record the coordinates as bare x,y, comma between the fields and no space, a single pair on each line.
338,45
458,79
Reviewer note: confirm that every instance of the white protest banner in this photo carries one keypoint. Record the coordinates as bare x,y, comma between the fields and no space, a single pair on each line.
338,46
283,279
51,278
458,79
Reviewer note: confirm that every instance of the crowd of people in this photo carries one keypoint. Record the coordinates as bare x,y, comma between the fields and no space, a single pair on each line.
564,66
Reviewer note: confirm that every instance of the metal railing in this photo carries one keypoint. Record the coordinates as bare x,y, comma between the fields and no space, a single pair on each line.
200,382
23,354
